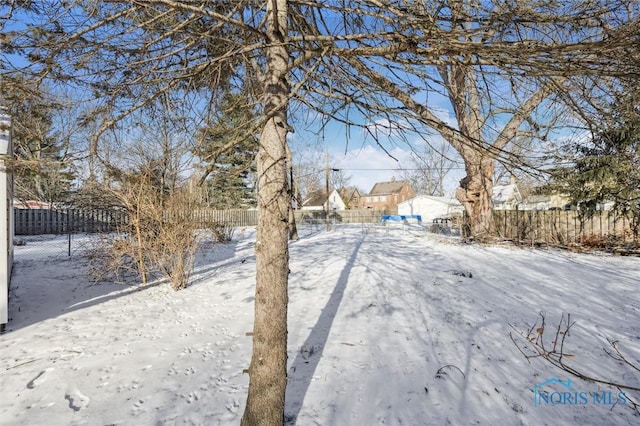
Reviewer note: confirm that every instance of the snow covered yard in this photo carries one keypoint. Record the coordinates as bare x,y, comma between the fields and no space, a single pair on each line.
398,327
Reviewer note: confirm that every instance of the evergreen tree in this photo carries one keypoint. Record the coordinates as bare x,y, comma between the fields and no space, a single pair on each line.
42,171
608,168
230,154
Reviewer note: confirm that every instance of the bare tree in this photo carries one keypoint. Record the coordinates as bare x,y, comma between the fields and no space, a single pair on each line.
159,235
338,178
308,173
428,169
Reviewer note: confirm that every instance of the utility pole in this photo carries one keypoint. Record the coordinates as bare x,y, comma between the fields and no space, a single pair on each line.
326,178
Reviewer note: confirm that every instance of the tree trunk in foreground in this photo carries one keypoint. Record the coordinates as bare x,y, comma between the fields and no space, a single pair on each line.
475,193
268,368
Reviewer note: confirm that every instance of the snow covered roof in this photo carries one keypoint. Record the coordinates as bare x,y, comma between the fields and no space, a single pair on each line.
506,193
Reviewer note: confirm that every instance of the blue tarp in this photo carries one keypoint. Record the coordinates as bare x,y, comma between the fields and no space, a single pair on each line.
401,217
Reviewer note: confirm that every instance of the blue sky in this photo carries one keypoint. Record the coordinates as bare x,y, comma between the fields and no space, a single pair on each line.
360,157
356,152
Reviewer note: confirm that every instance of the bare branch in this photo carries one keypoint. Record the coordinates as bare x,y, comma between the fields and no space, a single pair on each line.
535,348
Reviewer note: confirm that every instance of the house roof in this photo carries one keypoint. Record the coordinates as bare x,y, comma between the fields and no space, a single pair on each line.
315,198
319,197
349,192
384,188
505,193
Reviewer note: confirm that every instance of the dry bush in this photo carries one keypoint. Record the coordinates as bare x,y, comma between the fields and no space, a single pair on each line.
173,244
110,259
160,236
221,232
601,241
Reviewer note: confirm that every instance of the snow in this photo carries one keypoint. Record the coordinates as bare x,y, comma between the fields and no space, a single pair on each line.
386,326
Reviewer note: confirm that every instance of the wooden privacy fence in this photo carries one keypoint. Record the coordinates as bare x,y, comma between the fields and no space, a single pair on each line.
250,217
560,227
235,217
64,221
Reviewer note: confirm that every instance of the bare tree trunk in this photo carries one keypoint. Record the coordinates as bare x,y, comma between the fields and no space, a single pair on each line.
268,368
475,193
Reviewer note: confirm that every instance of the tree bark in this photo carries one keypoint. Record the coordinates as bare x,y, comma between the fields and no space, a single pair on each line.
475,193
268,368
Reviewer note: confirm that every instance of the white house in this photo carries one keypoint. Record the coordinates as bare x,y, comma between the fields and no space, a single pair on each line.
317,201
431,207
506,197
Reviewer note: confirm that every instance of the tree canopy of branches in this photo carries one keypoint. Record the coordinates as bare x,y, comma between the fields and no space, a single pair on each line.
493,65
428,169
354,62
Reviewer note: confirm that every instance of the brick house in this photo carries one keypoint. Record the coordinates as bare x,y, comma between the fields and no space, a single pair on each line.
351,196
385,196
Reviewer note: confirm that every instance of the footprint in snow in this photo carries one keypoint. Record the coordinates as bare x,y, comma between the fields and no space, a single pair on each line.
77,401
40,378
232,406
191,397
138,407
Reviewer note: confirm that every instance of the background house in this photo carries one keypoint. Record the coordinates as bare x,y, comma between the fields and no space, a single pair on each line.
351,196
506,197
431,207
546,202
385,196
317,201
